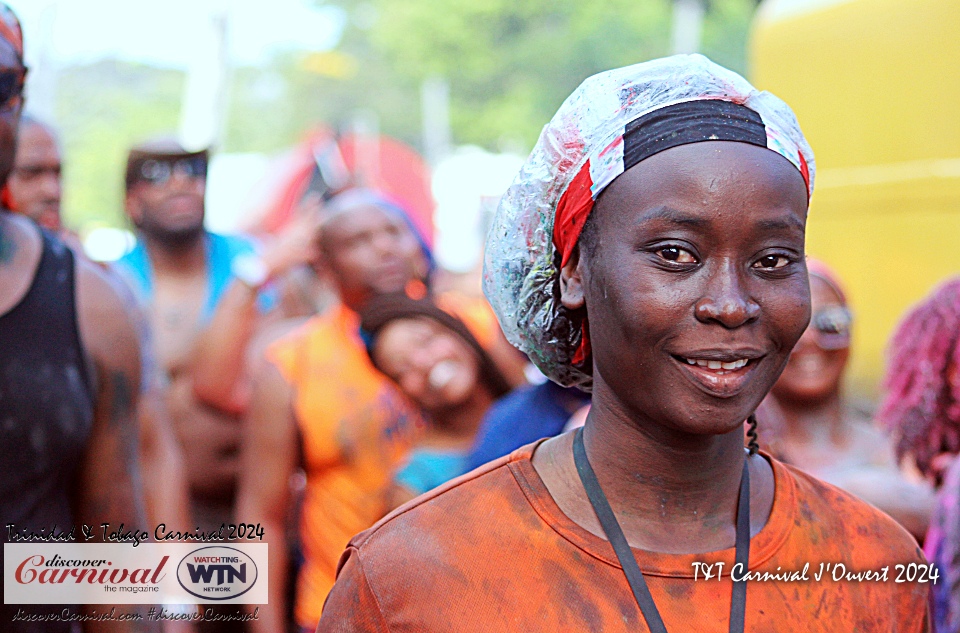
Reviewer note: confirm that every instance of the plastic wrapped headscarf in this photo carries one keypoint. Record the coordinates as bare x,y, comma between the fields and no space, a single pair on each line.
579,153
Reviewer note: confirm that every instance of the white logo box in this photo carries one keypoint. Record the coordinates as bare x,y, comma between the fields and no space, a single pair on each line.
119,573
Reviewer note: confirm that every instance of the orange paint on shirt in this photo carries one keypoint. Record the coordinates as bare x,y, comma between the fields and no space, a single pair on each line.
355,427
491,551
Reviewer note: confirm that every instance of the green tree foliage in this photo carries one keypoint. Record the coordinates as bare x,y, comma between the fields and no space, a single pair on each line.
102,110
510,64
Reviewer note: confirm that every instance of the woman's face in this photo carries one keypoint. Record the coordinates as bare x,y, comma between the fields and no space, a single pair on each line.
814,370
431,364
695,284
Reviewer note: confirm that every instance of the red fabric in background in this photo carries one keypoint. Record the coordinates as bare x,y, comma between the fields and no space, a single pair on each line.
398,172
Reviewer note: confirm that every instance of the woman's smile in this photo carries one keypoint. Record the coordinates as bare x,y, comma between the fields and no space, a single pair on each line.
720,378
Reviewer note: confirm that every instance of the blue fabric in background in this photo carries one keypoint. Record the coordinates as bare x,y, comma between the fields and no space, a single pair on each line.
523,416
428,468
221,251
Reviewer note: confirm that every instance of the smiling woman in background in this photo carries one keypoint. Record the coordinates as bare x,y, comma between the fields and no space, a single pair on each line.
922,409
808,426
651,249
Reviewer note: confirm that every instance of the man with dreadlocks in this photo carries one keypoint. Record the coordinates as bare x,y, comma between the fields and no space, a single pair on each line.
922,409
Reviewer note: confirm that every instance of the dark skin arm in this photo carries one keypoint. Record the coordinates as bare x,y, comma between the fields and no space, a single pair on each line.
219,379
109,484
267,461
164,480
165,484
165,487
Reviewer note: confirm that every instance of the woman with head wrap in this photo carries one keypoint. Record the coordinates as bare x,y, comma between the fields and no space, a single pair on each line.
652,249
438,363
922,409
808,425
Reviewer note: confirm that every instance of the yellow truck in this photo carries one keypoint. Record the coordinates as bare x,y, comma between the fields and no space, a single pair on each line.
876,87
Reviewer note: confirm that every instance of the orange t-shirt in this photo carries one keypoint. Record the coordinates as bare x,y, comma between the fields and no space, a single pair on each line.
491,551
355,428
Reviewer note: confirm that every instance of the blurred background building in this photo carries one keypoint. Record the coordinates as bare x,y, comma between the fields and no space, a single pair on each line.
875,87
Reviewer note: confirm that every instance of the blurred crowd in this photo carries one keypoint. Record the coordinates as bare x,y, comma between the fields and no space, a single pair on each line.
311,380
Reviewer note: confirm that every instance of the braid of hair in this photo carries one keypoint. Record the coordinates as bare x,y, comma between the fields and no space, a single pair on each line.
752,445
922,403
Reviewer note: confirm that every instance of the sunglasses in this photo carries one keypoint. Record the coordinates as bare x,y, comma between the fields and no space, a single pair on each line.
11,87
831,327
159,172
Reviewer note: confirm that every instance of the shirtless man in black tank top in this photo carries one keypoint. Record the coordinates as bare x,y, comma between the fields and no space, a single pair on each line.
69,375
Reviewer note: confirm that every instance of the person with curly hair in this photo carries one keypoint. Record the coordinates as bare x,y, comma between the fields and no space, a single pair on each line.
922,409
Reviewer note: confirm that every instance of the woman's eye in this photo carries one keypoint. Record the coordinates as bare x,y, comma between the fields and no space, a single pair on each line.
772,261
677,255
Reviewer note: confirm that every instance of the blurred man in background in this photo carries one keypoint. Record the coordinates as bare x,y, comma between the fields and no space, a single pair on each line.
34,187
320,405
36,183
179,271
69,375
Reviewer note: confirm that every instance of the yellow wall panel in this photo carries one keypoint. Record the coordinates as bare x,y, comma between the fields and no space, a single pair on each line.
876,87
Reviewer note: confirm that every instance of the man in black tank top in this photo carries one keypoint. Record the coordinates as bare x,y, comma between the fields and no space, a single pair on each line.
69,378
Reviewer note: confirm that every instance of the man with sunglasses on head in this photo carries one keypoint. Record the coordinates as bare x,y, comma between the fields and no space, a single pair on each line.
69,380
808,424
179,271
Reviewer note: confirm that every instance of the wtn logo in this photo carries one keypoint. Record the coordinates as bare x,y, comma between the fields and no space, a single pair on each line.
225,573
217,573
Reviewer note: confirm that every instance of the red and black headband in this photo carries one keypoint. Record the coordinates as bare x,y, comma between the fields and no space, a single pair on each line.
671,126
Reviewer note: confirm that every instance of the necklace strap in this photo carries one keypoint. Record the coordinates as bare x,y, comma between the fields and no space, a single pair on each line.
628,561
738,598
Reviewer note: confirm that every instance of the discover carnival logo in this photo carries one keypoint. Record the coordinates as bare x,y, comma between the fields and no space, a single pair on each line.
115,573
217,573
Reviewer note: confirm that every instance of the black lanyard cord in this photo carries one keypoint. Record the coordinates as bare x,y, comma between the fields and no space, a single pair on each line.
738,599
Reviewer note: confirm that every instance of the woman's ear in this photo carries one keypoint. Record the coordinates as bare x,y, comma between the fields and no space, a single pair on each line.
571,282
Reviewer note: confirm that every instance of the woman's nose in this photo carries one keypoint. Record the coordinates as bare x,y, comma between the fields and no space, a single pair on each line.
726,300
